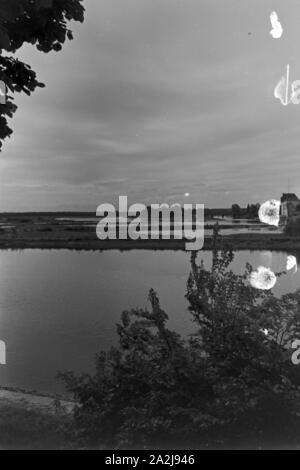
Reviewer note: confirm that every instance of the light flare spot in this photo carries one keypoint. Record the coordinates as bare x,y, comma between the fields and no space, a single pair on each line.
263,278
269,212
291,263
2,353
264,331
277,29
281,91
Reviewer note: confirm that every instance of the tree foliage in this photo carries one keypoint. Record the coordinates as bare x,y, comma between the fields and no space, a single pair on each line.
236,211
226,385
42,23
292,226
252,211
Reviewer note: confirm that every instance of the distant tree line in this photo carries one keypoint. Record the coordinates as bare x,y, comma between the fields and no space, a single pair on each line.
251,212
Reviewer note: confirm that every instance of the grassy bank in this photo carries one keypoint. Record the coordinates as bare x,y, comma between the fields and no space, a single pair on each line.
32,421
20,231
21,428
274,242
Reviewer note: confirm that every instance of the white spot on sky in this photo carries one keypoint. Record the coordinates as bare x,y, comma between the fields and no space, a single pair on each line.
281,90
187,194
291,263
263,278
269,212
2,353
277,30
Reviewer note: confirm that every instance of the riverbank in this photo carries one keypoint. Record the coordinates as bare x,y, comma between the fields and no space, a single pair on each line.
42,231
29,420
237,243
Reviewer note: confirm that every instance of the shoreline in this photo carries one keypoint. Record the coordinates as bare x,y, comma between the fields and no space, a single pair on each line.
239,242
33,420
45,231
34,400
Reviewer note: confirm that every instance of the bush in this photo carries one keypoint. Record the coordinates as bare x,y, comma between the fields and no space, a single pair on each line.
293,226
23,428
227,384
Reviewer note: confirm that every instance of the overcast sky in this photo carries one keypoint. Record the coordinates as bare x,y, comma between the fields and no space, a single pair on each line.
156,98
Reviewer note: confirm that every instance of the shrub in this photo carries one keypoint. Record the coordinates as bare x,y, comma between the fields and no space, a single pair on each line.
293,226
227,384
25,428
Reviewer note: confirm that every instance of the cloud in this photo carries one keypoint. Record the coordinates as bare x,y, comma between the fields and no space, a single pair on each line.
156,99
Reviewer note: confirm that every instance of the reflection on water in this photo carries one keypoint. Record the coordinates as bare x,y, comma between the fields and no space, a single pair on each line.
58,308
227,225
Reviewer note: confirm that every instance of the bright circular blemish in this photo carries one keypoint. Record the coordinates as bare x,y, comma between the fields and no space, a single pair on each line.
269,212
186,194
263,278
291,263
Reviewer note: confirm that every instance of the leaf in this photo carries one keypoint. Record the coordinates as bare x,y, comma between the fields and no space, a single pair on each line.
42,23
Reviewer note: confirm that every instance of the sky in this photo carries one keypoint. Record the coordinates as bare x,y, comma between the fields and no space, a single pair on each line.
154,99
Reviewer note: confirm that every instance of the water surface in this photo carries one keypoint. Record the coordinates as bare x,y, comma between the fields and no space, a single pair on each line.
58,308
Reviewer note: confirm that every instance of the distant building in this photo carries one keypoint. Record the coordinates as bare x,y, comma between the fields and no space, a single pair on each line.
290,205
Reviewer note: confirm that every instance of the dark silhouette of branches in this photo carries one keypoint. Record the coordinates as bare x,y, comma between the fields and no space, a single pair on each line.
42,23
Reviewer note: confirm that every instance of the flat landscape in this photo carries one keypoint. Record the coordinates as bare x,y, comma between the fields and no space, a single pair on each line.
78,231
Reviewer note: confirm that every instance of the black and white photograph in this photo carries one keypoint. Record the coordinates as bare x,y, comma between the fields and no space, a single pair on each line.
149,227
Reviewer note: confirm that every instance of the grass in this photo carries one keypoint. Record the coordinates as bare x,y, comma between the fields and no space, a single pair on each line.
44,231
22,428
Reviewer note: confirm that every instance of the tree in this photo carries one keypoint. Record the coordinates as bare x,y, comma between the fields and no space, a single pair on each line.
254,208
246,335
42,23
292,226
236,211
228,384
